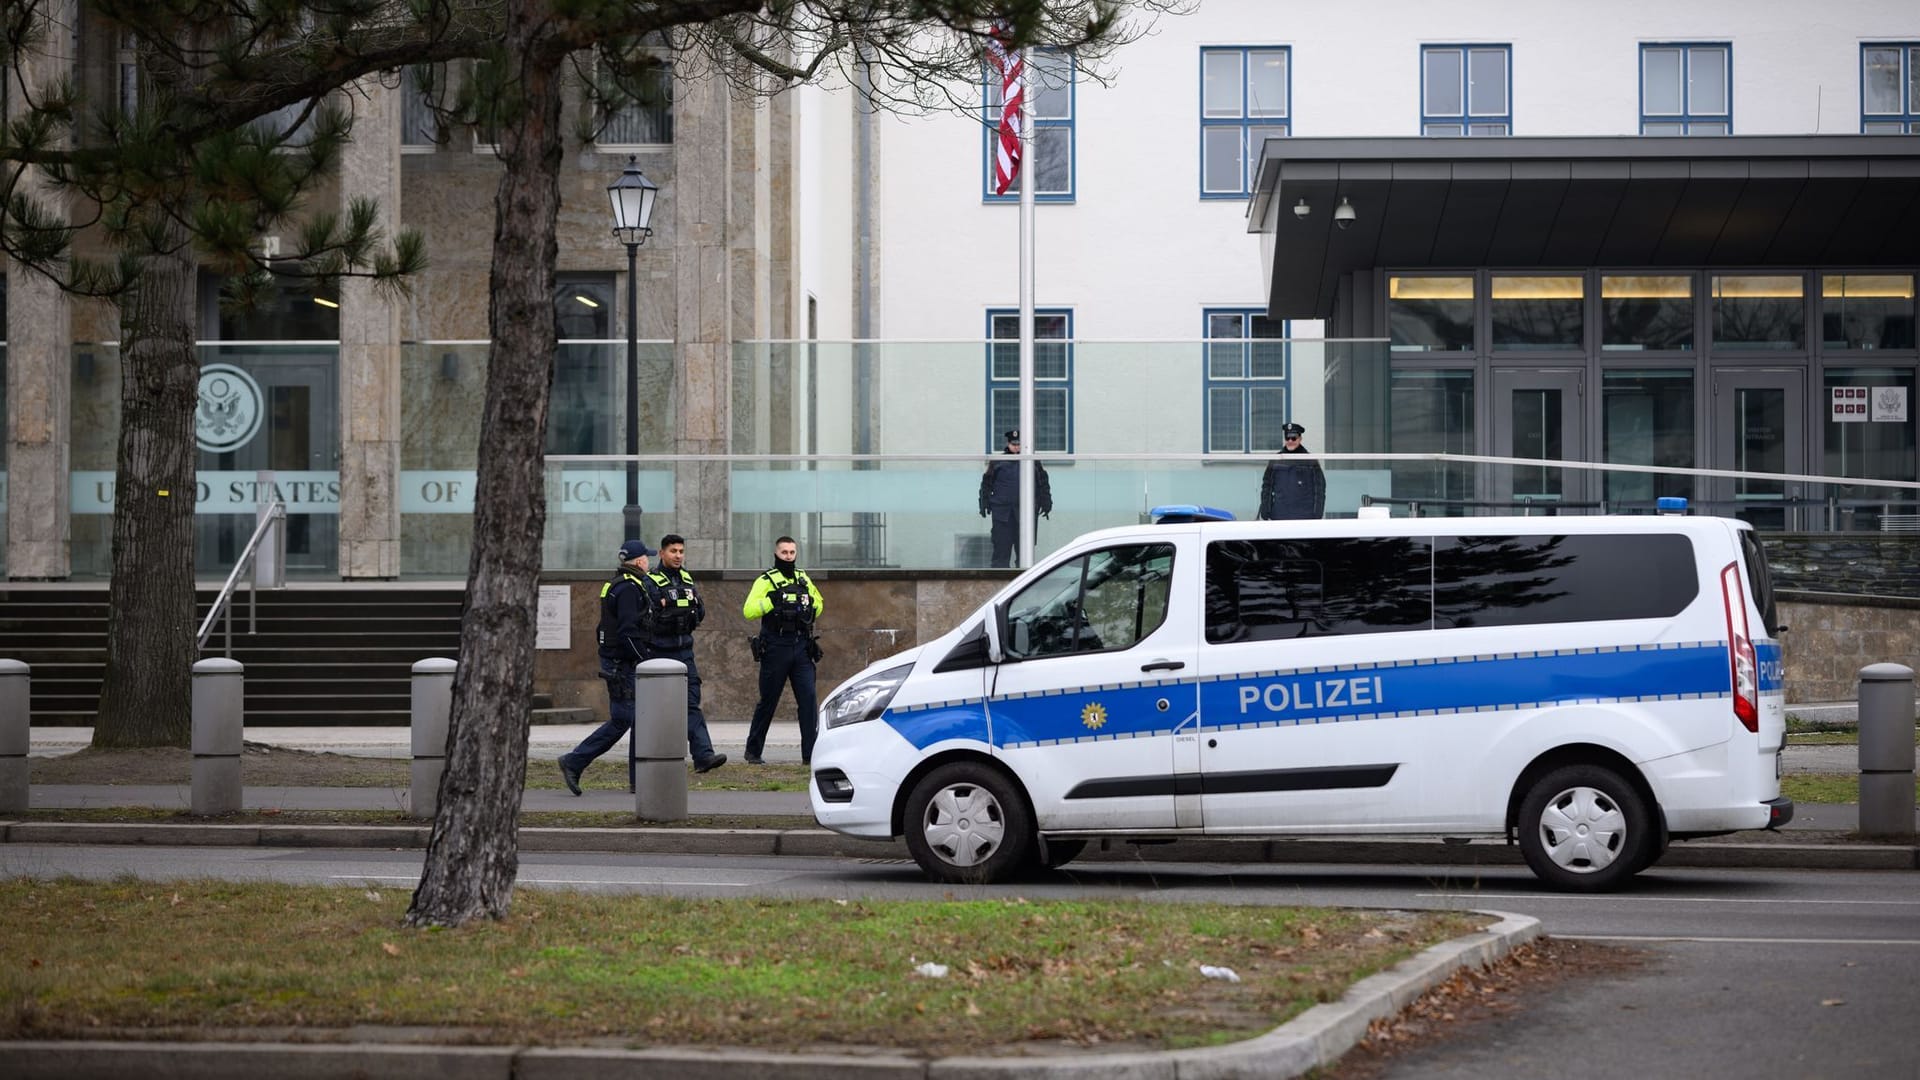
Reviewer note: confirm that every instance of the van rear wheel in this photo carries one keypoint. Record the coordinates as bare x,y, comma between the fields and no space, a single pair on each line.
1584,828
966,824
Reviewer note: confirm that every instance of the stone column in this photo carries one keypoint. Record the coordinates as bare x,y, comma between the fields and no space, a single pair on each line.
704,283
370,369
39,363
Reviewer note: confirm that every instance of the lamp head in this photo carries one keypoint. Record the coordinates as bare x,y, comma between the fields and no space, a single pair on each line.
1343,214
1301,209
633,196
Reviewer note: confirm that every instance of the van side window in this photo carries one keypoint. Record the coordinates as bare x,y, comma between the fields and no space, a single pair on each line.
1266,590
1530,580
1104,601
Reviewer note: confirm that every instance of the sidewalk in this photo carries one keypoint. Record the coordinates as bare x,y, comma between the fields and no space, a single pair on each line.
1811,841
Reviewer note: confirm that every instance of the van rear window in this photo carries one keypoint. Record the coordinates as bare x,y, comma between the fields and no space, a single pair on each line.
1529,580
1271,590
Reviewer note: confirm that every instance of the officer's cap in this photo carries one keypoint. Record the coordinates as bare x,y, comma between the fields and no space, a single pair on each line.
633,549
1013,436
1293,431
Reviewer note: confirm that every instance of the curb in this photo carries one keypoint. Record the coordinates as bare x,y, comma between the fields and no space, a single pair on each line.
828,844
1317,1037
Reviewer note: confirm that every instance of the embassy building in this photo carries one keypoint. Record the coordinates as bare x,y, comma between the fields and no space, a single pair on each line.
1565,259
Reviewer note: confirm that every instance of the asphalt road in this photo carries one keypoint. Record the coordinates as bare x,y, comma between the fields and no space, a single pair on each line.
1750,973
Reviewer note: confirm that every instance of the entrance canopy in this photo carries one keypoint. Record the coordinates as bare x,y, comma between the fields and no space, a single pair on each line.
1844,201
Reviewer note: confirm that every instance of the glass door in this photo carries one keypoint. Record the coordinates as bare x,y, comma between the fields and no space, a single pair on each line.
259,415
1537,413
1759,419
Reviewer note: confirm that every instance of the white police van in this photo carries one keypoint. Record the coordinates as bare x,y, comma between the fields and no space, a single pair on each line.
1589,686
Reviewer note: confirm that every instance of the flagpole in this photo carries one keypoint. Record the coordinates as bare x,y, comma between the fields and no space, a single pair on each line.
1027,433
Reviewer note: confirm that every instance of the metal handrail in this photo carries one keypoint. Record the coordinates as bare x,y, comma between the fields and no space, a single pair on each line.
273,519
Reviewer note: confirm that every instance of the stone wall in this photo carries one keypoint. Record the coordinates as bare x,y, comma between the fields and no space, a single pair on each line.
869,615
1830,638
1853,564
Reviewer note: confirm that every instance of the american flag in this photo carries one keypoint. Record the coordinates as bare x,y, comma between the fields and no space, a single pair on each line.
1007,61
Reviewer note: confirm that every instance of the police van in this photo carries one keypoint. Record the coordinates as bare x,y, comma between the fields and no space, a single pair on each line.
1589,687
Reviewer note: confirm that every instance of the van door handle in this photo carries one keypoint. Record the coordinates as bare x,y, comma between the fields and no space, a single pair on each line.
1163,665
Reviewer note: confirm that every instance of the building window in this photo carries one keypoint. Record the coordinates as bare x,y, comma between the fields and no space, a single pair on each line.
588,394
1244,101
1646,312
1466,90
128,67
1759,311
1890,88
1246,381
1686,89
1050,90
1052,379
1866,311
1430,314
418,125
1538,313
638,106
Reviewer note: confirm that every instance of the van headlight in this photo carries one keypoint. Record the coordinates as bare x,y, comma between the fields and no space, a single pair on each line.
865,699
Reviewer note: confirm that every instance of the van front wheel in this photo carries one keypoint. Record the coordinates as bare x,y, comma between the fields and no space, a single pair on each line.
1584,828
966,824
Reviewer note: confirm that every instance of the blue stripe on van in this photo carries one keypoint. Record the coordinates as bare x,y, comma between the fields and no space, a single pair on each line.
1441,686
1773,673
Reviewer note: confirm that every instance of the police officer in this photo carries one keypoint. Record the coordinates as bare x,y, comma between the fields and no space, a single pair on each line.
623,643
676,610
786,602
1293,487
1000,497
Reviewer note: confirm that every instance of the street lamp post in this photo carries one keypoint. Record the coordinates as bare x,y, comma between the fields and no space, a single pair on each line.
633,196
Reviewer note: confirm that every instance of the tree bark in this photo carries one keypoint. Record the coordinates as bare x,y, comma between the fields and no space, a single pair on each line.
146,698
473,850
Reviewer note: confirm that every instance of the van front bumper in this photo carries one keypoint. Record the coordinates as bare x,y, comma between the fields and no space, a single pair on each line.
854,803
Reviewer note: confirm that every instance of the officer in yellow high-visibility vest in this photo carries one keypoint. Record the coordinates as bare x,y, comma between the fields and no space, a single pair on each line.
787,604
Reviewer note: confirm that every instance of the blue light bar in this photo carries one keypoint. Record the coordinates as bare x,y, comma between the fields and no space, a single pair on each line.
1671,504
1180,513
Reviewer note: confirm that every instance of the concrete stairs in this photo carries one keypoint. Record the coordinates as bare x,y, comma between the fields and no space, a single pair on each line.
331,655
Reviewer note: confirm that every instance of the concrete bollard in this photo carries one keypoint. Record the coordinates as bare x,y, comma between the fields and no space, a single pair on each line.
1886,750
219,727
432,706
16,734
657,748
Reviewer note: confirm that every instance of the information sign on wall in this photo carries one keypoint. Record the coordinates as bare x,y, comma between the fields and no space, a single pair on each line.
556,618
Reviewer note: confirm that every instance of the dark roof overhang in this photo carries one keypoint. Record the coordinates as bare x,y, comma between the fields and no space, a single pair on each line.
1565,203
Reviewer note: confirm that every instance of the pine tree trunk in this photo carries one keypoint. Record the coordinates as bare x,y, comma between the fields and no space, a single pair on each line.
473,851
146,698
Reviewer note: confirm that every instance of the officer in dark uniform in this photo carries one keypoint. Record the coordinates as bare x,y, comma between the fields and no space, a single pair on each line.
676,611
1000,497
1293,487
623,643
786,602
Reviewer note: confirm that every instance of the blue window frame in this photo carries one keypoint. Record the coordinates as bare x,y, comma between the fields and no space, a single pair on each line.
1890,88
1050,105
1466,90
1245,98
1246,392
1052,378
1686,88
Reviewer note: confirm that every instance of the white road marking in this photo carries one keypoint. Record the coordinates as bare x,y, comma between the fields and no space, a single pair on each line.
1668,899
415,878
1740,940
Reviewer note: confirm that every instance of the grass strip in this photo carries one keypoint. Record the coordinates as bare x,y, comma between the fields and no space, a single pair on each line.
190,959
1828,788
